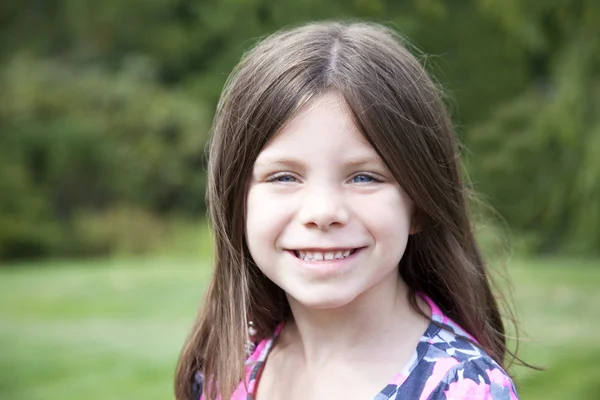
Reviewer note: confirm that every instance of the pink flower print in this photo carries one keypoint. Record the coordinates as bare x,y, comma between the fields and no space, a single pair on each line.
467,389
496,376
503,382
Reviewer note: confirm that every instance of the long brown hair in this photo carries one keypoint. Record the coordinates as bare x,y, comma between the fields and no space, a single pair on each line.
399,110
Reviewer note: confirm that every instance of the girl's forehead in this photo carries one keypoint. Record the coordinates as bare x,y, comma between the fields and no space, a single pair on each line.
330,106
325,121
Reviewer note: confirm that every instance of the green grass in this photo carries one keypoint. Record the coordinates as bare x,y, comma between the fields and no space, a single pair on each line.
113,329
95,330
559,308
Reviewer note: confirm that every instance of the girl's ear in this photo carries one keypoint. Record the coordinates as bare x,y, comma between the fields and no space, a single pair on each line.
415,226
414,229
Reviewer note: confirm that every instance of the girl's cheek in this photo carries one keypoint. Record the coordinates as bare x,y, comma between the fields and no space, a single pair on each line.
264,198
264,207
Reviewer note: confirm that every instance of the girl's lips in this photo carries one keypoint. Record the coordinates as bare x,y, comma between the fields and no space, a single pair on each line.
351,251
325,267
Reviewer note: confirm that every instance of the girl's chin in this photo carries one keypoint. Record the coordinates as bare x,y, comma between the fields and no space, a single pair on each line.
320,302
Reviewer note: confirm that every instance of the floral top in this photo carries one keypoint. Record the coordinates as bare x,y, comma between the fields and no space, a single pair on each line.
443,367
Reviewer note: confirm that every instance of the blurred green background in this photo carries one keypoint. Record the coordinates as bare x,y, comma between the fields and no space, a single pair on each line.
104,112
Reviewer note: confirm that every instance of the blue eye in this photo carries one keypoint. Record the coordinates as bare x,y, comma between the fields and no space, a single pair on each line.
283,178
369,178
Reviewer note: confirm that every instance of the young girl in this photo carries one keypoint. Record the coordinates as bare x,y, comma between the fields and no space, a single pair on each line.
345,261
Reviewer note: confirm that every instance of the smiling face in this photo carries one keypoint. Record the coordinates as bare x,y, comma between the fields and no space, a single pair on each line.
326,221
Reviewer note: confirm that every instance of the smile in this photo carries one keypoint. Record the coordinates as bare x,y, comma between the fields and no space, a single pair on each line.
338,254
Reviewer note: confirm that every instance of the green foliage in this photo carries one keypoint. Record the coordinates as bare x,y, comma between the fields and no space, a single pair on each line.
79,141
537,155
105,106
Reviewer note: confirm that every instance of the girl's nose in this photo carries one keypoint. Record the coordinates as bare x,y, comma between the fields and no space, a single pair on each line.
323,208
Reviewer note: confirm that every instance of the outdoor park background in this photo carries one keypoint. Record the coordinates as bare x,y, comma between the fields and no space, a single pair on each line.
104,112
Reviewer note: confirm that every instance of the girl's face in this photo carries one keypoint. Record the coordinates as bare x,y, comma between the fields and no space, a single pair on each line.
326,221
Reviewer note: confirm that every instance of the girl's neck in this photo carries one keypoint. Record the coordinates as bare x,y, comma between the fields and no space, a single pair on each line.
367,327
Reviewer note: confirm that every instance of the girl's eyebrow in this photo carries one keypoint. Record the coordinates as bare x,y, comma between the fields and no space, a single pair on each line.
298,163
268,161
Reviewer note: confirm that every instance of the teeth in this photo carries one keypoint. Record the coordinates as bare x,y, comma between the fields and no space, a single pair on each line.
319,256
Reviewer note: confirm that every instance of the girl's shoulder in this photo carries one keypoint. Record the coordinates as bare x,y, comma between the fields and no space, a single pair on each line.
448,364
254,361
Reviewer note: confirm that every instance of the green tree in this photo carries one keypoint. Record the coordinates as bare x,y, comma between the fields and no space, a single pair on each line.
537,154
